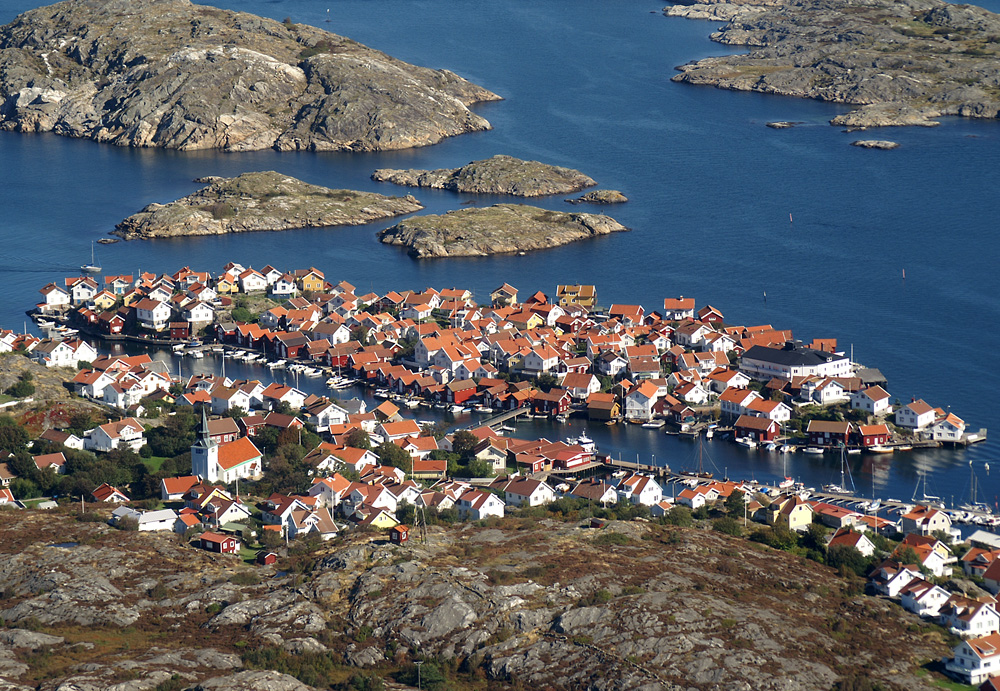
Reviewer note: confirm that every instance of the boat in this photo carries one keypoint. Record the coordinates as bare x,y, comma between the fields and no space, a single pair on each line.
842,488
878,448
93,267
583,441
710,431
746,442
974,504
786,483
771,446
785,448
924,498
853,452
653,424
812,449
381,393
457,408
561,418
196,354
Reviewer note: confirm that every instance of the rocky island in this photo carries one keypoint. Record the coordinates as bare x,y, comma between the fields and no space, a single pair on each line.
496,175
600,197
169,73
900,63
498,229
524,601
260,201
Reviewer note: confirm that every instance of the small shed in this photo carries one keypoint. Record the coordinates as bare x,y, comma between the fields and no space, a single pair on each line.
266,558
222,544
399,534
598,523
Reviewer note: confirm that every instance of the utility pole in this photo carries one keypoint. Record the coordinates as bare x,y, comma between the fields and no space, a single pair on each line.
418,663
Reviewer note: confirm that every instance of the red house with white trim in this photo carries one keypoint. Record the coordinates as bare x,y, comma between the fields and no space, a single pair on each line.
221,544
760,429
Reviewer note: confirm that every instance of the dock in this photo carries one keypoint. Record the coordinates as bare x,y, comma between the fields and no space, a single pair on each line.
500,418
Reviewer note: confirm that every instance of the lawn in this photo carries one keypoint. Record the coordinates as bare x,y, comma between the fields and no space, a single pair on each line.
153,463
944,683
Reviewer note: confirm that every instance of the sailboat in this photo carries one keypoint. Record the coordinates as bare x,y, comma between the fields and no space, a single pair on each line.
841,488
788,480
924,498
93,267
974,503
700,473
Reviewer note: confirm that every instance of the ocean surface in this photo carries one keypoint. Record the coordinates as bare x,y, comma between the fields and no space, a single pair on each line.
722,208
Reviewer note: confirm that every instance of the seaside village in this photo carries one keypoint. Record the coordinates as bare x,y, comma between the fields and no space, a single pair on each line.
243,467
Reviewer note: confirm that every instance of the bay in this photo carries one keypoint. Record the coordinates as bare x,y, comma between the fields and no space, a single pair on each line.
587,86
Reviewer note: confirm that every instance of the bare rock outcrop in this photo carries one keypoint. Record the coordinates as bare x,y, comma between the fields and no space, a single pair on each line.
498,229
496,175
600,197
261,201
172,74
899,63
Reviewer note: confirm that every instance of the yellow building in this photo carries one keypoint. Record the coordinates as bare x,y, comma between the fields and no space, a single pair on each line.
585,296
791,512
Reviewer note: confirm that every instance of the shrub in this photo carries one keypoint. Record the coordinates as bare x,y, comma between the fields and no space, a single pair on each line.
608,538
680,516
728,526
598,597
244,578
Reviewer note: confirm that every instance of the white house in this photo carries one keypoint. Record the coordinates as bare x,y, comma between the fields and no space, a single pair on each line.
735,402
477,505
127,433
56,299
696,497
949,428
164,519
793,360
640,400
152,314
874,400
54,354
975,660
526,492
640,489
915,415
967,618
923,597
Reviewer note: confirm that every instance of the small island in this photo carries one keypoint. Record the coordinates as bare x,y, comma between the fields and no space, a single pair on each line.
498,229
600,197
875,144
897,63
260,201
496,175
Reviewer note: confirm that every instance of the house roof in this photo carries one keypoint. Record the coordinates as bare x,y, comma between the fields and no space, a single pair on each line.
237,452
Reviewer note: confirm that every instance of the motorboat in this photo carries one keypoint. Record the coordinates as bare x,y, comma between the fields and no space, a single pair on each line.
653,424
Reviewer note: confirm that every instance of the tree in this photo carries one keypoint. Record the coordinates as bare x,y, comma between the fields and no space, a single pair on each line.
236,413
847,559
12,436
390,454
464,443
480,468
734,503
358,439
546,381
680,516
23,388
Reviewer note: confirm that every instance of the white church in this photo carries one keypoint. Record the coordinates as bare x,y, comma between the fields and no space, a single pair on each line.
225,463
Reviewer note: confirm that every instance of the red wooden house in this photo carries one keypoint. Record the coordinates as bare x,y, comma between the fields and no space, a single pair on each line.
555,402
399,534
872,435
828,433
266,558
222,544
460,391
760,429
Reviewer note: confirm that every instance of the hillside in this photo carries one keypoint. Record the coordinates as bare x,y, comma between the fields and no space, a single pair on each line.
529,602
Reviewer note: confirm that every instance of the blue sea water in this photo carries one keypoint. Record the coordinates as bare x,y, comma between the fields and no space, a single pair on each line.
712,191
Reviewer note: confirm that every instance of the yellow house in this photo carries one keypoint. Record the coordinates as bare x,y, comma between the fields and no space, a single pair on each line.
792,513
380,519
585,296
311,280
525,320
105,300
131,296
224,286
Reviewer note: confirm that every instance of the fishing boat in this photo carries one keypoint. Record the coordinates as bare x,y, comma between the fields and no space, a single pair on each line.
93,267
583,441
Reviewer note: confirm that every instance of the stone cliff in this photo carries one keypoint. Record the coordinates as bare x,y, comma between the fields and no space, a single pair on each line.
168,73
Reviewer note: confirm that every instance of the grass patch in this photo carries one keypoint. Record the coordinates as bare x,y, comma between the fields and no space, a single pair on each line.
153,463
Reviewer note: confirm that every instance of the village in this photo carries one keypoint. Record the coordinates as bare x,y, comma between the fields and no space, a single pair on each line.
244,467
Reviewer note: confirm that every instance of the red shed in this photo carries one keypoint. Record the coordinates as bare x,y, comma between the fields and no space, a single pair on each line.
873,435
266,558
223,544
399,534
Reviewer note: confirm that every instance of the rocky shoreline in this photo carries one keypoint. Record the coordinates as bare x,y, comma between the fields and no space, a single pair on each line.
497,175
900,63
498,229
168,73
257,202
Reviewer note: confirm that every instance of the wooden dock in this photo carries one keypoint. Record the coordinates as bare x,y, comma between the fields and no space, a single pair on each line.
500,418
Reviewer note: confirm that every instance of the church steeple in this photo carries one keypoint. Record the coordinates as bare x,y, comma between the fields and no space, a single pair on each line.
205,453
204,440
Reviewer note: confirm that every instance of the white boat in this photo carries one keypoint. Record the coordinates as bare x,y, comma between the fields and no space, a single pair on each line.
786,483
178,347
560,418
583,441
771,446
710,432
879,449
785,448
277,364
812,449
457,408
312,372
93,267
746,442
196,354
653,424
381,393
410,402
853,452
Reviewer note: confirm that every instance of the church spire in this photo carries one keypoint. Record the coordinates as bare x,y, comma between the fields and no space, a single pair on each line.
204,438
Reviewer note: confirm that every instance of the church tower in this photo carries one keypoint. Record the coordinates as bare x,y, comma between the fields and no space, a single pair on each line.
205,453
